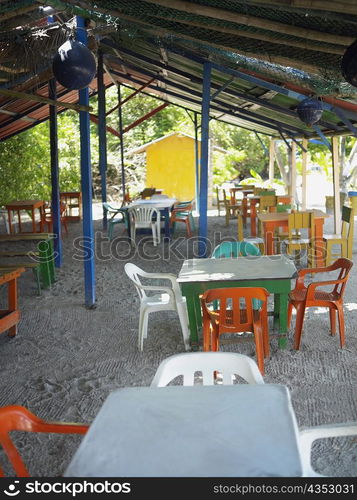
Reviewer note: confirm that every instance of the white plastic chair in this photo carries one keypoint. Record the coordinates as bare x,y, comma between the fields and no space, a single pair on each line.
226,363
144,216
165,299
310,434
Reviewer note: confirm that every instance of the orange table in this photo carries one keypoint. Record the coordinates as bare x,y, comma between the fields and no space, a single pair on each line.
253,201
11,316
30,206
274,220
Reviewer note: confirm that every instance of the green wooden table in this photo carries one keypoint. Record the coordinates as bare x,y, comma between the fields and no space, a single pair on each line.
273,272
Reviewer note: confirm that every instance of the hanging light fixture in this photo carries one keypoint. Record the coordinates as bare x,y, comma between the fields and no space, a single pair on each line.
309,111
74,65
349,64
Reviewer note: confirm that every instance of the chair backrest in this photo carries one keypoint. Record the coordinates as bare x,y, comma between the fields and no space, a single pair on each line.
347,222
18,418
283,207
109,208
301,220
235,307
219,194
134,272
208,363
143,214
344,266
235,249
266,201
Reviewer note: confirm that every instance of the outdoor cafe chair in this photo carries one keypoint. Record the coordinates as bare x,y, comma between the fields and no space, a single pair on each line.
182,212
48,217
295,242
308,435
304,296
209,364
235,249
145,217
19,418
343,240
163,298
117,216
236,313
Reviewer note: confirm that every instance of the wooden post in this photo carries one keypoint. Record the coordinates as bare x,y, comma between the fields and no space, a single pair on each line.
102,135
336,186
304,164
271,160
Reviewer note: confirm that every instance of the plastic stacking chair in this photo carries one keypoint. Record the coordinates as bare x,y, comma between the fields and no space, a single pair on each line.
227,364
18,418
117,216
235,249
309,296
182,212
144,217
165,298
231,317
343,240
310,434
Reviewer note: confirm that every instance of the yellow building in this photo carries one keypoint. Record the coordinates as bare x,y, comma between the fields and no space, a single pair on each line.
170,165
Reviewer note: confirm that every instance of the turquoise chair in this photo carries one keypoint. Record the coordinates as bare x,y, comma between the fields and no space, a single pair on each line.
234,249
114,211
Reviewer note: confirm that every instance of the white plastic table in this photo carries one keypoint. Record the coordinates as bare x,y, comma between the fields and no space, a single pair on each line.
201,431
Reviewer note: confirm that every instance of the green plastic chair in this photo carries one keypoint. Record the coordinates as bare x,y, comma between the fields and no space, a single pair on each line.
114,211
283,208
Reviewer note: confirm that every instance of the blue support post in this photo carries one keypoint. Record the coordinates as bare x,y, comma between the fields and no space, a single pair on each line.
55,197
202,230
120,116
86,184
197,173
102,135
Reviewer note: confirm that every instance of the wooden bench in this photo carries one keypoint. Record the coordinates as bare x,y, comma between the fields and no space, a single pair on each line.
41,261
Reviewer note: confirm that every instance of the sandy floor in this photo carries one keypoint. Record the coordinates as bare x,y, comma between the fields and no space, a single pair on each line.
66,359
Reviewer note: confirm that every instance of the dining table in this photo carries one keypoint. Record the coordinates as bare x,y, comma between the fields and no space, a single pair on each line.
240,430
272,221
164,205
30,206
274,273
253,202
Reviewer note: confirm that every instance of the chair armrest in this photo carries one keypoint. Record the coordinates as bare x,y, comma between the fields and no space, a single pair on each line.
312,286
164,289
310,434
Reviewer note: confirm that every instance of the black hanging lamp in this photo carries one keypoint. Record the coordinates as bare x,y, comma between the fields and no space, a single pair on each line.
74,65
349,64
309,110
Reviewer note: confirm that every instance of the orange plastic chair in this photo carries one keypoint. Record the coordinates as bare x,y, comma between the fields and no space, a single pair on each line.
47,220
231,317
308,296
182,214
19,418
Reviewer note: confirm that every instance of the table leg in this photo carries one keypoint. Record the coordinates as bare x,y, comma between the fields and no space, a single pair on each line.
253,218
167,222
192,319
12,303
283,320
268,229
9,214
19,217
319,244
33,220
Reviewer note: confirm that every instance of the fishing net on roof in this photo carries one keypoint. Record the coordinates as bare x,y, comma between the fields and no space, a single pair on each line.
252,48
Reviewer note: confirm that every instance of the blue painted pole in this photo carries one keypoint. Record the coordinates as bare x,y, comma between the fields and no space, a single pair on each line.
55,196
86,184
120,116
197,159
102,135
202,230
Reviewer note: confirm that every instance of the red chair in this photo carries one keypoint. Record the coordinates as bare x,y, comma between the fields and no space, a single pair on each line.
308,296
48,218
182,212
18,418
223,313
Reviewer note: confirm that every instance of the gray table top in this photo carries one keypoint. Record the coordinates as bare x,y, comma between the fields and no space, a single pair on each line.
201,431
258,267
